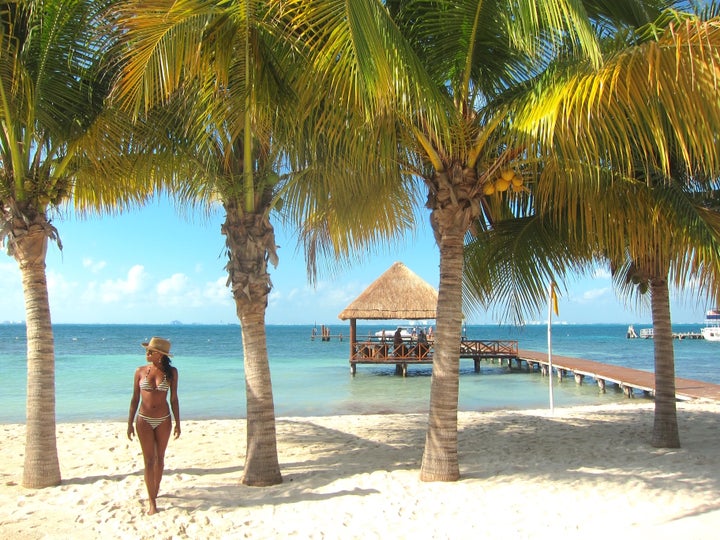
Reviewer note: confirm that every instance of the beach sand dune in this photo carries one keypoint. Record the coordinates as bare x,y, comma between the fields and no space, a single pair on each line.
582,472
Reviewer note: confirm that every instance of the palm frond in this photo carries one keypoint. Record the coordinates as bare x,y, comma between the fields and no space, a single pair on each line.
643,97
510,267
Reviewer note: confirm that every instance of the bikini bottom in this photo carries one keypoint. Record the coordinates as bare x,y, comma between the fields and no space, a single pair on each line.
154,422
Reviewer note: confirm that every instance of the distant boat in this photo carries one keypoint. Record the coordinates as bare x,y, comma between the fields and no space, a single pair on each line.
406,333
647,333
711,330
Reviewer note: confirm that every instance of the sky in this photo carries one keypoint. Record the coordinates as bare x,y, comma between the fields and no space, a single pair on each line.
155,266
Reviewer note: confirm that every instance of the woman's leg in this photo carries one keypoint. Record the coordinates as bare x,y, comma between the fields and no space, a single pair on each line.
146,436
162,436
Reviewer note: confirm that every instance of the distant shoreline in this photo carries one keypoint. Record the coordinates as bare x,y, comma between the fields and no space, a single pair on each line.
360,324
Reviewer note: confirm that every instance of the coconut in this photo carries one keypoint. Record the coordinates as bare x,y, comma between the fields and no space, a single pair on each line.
501,184
507,174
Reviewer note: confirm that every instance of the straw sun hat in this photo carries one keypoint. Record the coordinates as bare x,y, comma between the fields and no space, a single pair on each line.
158,344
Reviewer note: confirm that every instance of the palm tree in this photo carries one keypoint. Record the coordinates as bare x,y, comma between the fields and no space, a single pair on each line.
228,100
674,138
245,126
467,56
510,266
681,248
477,52
651,223
51,93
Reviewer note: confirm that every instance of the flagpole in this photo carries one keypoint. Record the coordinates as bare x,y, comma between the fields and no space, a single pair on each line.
549,333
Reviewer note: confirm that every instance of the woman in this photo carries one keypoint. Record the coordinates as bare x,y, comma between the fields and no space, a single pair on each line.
153,424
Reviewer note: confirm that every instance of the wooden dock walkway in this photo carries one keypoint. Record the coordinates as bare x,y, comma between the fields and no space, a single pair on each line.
628,379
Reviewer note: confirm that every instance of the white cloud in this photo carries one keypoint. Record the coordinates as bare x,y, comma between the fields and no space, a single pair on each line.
594,294
112,291
93,266
217,292
12,305
174,285
300,304
339,295
59,288
294,293
9,273
178,291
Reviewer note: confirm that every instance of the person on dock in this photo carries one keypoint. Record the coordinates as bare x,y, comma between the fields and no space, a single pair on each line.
422,344
398,347
153,423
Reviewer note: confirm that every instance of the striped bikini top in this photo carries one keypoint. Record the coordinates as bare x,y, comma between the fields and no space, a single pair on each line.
164,386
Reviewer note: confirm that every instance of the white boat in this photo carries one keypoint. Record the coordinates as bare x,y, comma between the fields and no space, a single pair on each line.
647,333
406,333
711,330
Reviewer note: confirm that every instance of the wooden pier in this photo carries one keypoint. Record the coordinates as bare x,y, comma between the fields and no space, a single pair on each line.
627,379
412,352
324,334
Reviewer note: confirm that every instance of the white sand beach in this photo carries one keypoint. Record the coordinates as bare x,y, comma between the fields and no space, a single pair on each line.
584,472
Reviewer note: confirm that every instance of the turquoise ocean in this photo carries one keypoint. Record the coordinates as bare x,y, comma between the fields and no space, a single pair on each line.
94,366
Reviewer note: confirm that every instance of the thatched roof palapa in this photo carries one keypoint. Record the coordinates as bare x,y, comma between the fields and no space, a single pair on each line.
399,293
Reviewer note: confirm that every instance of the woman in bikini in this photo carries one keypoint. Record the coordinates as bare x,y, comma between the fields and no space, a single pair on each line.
153,423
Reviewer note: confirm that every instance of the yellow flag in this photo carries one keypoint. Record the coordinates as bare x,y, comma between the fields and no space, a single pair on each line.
553,298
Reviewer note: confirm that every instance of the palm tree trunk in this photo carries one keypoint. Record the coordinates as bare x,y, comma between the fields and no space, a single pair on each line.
42,468
665,427
440,458
249,238
261,459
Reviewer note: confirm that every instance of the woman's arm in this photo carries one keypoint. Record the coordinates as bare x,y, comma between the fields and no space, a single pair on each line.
174,402
134,402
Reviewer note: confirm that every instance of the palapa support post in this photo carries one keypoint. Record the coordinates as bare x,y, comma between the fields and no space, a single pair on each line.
353,335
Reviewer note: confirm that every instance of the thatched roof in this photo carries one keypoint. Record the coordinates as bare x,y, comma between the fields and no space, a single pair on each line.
399,293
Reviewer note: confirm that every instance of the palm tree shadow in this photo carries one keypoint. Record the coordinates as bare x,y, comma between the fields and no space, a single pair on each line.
319,462
340,456
234,496
194,471
537,449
